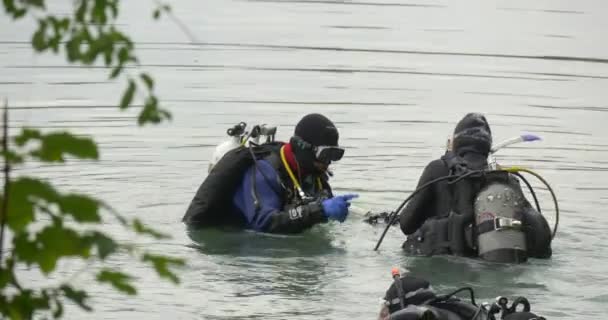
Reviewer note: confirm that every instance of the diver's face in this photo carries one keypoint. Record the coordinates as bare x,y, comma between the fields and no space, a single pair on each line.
321,167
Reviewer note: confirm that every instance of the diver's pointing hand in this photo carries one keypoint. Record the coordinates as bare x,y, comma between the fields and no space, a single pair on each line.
348,197
336,208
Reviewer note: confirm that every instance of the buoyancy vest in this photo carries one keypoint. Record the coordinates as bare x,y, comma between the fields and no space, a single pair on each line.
212,203
489,217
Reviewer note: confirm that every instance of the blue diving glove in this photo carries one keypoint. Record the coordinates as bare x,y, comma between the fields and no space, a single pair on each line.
336,208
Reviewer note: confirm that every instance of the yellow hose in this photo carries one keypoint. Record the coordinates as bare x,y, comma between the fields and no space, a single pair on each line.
539,177
293,177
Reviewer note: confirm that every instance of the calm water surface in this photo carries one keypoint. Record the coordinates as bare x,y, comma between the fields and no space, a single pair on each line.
395,76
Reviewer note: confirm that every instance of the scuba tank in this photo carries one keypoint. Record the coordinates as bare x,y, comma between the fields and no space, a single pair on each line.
498,210
240,137
498,213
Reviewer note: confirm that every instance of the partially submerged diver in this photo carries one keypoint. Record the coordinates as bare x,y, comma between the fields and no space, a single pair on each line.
412,298
483,214
274,187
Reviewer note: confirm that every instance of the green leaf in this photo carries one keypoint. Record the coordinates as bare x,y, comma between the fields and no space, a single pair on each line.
5,277
113,5
162,264
140,228
108,50
118,280
81,207
72,47
23,192
39,41
58,313
31,187
25,303
77,296
9,5
147,80
123,55
17,14
11,9
156,14
116,71
64,24
127,97
56,145
81,11
27,135
105,245
25,250
150,112
12,157
165,114
58,242
99,12
36,3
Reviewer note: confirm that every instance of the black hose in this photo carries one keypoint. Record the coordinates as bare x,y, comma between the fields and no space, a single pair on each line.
447,296
552,195
395,213
521,176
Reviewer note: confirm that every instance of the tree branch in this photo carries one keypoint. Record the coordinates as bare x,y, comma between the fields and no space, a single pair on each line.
5,198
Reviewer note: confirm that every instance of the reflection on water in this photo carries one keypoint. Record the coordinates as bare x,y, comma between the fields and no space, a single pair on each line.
314,242
395,76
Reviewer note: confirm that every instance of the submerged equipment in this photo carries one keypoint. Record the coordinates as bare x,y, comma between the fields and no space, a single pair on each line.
410,298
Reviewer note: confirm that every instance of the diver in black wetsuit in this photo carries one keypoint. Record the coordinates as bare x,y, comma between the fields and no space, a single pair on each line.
435,221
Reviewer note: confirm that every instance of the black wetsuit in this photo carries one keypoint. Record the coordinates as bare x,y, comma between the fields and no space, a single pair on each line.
472,144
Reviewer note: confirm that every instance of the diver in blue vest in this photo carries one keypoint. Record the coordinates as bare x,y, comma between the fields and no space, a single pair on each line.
485,215
274,187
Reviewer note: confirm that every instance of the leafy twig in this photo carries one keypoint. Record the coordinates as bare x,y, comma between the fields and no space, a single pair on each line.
5,198
177,21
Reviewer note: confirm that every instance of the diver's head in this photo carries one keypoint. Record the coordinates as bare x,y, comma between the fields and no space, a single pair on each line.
315,143
414,291
472,134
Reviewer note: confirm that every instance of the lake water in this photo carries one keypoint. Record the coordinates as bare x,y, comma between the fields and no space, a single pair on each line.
395,76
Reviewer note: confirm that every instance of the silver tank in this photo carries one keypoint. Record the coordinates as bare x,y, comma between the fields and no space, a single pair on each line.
503,206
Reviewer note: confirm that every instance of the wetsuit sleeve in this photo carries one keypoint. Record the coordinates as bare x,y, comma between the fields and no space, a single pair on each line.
261,202
538,231
420,206
538,234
